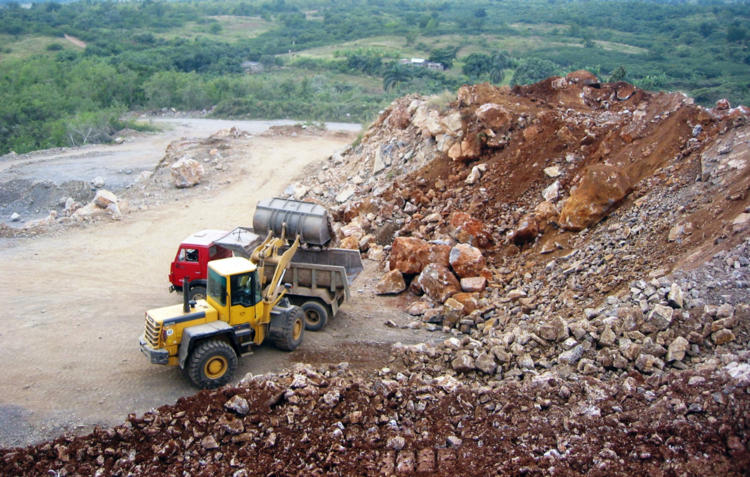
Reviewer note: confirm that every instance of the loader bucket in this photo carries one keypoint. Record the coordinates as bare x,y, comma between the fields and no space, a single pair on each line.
310,221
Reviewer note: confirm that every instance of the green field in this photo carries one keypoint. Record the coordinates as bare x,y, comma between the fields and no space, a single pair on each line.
325,60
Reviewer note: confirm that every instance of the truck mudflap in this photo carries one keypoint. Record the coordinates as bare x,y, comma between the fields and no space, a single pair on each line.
155,356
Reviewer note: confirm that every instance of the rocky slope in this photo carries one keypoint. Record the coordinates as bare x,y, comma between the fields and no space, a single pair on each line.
586,245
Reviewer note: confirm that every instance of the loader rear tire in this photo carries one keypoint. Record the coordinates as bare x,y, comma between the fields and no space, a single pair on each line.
211,364
287,333
316,315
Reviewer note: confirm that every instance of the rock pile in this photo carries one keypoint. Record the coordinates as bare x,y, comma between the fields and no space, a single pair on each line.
330,421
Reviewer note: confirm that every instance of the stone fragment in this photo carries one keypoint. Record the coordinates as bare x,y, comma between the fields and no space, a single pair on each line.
677,349
722,337
392,283
405,462
209,442
554,329
15,217
349,243
571,356
607,337
552,192
466,261
409,255
104,198
438,282
238,404
345,194
525,361
552,171
675,296
659,319
419,308
647,363
468,302
463,362
466,229
527,230
494,116
485,362
396,443
473,284
186,172
98,182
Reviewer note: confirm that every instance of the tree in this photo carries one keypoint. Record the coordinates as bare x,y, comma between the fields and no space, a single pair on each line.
618,74
532,70
444,56
477,65
396,75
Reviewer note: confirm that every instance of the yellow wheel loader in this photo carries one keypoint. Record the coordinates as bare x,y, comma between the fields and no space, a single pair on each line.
245,300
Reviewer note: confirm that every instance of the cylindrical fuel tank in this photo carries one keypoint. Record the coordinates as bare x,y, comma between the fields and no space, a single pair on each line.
310,221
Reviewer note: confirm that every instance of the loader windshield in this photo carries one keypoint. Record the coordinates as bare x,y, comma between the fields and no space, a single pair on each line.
217,287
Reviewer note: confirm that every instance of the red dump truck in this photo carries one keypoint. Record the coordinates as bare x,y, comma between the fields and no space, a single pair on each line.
317,278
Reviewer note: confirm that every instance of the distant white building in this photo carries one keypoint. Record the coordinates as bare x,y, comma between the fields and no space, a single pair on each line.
421,63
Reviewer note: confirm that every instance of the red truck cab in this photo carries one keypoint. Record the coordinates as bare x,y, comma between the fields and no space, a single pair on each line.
191,261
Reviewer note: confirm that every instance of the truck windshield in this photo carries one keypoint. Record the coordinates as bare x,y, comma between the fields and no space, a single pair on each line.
217,287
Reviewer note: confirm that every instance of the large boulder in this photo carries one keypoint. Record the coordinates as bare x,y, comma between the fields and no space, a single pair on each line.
467,149
186,172
465,228
600,188
467,261
438,282
392,283
494,116
409,255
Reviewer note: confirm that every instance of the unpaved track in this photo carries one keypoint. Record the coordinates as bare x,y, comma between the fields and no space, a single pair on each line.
74,304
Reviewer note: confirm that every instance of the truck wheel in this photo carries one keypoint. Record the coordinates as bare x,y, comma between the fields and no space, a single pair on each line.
316,315
288,331
197,293
211,364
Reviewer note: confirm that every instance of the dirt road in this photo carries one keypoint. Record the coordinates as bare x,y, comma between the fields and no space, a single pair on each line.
74,305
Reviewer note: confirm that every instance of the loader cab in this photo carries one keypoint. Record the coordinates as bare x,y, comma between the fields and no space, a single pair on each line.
234,290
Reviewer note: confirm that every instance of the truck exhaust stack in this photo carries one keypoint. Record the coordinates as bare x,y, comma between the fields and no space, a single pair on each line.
186,295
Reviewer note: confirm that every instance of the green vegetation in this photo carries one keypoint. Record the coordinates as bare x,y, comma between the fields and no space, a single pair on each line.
69,71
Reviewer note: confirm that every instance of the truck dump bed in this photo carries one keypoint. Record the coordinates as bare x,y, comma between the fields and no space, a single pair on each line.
331,268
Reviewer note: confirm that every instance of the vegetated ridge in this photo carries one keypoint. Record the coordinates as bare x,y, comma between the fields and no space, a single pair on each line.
587,246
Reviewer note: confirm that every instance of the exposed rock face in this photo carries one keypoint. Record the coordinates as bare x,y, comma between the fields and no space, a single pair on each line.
186,172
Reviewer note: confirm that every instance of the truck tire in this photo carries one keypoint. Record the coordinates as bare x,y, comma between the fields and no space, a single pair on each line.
316,315
197,293
211,364
287,330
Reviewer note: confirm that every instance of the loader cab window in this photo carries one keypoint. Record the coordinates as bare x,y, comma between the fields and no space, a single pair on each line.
245,290
217,287
188,255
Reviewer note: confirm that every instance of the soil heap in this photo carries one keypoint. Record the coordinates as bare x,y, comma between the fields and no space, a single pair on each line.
586,245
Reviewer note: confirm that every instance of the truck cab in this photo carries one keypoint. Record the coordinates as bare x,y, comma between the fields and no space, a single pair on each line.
192,259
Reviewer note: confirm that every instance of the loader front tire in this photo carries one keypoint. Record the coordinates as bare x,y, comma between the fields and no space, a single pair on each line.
287,333
211,364
316,315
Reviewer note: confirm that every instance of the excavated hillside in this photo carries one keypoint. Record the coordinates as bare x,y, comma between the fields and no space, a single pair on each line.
585,244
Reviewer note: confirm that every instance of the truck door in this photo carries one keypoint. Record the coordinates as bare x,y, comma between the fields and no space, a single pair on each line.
187,264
